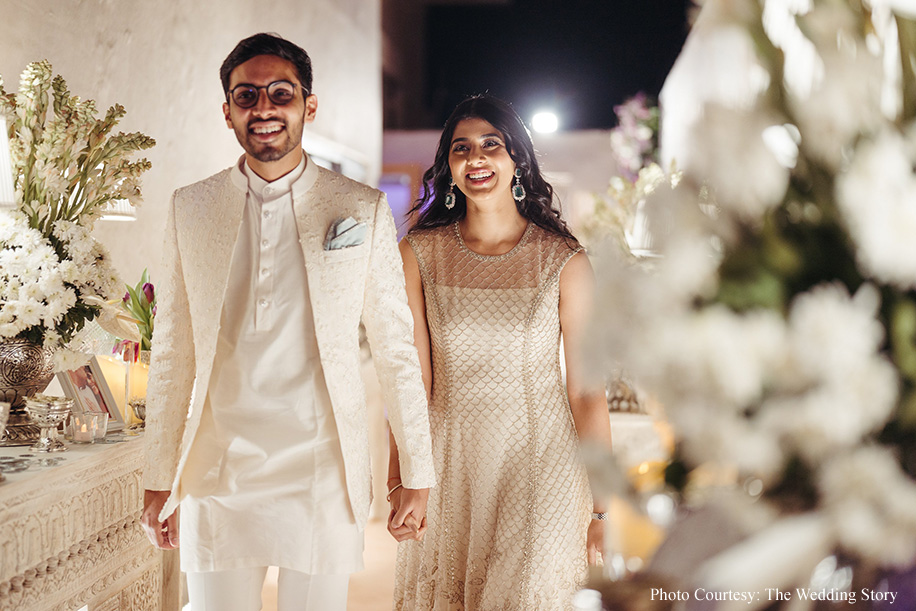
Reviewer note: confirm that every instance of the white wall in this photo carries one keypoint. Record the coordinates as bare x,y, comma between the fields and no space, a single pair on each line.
161,59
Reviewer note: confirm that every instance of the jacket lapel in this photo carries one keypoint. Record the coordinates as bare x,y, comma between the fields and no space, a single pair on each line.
211,227
314,210
225,215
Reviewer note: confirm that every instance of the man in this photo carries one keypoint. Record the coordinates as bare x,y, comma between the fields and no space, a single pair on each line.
256,411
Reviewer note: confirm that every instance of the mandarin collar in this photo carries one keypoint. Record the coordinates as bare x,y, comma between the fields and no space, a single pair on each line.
298,181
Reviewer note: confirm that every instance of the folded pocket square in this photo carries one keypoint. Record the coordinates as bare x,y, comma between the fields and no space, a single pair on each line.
345,233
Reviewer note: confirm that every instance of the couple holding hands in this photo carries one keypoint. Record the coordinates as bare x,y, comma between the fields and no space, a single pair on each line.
256,419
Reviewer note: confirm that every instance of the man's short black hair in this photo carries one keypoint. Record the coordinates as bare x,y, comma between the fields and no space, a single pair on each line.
268,44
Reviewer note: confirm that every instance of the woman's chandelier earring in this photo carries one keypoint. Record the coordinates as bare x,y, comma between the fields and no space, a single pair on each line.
518,191
450,196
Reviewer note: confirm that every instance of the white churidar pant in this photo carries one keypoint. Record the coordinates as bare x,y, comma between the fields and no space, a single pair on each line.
240,590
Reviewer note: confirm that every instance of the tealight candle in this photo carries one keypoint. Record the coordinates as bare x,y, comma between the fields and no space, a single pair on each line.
84,426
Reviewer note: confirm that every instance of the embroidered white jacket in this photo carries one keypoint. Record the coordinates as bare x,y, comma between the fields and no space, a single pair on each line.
359,283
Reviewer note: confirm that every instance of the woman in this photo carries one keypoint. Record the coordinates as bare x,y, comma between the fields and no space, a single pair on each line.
493,276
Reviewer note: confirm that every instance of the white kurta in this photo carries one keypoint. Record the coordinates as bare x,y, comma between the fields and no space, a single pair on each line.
275,494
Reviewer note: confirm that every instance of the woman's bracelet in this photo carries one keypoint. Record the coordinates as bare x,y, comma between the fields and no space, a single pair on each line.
390,492
599,515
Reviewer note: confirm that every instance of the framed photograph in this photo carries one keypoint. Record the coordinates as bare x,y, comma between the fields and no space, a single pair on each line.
89,390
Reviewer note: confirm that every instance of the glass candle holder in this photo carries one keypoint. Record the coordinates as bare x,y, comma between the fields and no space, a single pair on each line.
102,428
84,426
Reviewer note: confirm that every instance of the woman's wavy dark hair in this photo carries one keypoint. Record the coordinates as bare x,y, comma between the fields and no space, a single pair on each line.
538,205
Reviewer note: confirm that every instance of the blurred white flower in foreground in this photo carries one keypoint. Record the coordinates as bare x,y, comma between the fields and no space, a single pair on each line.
871,503
878,197
728,143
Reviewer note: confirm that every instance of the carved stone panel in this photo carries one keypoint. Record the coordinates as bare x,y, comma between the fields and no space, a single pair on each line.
70,536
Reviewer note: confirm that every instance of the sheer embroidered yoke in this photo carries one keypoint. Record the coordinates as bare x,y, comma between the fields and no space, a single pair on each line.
508,520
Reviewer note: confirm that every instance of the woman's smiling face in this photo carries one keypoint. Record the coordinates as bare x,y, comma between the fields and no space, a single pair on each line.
480,164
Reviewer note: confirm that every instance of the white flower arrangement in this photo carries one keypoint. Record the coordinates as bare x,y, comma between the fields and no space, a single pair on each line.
778,329
53,275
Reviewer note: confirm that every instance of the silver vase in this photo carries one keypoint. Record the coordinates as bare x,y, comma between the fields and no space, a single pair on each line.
25,369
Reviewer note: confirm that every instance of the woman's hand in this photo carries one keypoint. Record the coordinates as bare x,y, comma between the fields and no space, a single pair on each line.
595,542
407,519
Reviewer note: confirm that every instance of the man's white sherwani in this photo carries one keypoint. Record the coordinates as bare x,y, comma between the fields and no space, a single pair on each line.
359,283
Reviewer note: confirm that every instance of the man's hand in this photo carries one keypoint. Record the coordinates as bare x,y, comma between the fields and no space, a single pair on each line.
407,519
163,535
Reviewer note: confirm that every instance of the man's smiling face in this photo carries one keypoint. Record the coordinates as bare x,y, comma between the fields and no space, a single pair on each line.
269,132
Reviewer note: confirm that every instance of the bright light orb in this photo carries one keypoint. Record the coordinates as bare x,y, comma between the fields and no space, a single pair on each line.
544,122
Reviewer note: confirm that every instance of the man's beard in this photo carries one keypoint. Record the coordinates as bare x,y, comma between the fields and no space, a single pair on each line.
267,152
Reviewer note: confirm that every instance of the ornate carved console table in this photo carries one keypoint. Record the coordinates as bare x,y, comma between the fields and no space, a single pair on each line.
70,536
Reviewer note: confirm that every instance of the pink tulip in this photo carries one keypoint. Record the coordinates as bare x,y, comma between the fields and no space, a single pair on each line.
130,351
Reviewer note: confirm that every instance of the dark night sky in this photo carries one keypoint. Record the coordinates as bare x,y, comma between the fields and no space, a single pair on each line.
580,57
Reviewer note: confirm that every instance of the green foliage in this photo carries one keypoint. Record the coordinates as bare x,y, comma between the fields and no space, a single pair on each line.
140,302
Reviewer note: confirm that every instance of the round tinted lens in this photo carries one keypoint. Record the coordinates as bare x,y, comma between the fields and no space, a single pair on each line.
244,96
281,92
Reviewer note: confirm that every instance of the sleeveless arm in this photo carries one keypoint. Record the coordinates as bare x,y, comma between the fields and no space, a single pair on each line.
587,400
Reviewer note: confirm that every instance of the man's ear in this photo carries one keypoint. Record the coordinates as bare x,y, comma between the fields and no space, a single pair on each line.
226,115
311,108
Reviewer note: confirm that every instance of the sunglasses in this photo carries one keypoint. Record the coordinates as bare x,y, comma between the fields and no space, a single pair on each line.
280,93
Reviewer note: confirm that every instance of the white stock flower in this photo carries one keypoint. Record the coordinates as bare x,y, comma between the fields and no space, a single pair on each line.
877,196
729,152
130,190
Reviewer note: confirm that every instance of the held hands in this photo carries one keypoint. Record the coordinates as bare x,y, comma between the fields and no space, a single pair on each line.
163,535
407,519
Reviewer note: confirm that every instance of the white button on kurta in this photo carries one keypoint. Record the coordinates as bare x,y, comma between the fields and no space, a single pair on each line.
275,494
